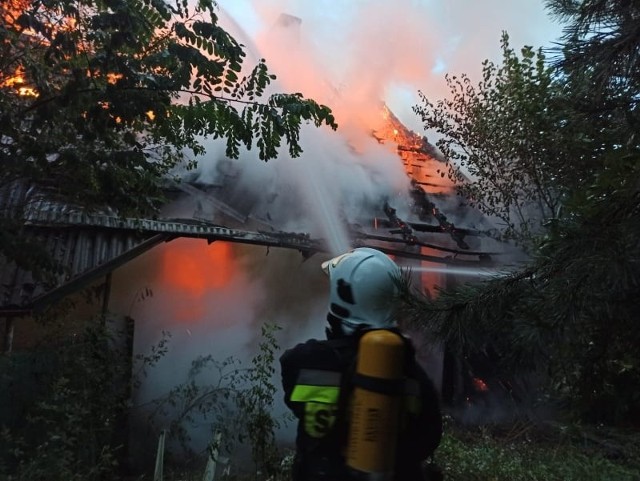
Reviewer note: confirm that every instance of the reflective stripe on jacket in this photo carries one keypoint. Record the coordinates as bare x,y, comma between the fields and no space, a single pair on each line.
320,391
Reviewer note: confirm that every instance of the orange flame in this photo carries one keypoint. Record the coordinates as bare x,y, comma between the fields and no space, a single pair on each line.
193,265
14,81
12,9
194,268
17,81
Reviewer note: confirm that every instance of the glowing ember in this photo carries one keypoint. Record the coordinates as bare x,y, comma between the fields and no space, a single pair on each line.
480,385
27,92
112,78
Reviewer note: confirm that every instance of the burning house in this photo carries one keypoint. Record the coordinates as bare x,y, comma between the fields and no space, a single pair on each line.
212,216
231,249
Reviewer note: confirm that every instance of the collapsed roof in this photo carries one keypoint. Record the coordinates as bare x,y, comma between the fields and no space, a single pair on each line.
89,245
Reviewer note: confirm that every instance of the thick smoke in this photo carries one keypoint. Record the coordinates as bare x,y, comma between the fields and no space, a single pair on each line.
390,50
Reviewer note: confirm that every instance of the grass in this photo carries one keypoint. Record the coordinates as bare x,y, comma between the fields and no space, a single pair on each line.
516,451
524,452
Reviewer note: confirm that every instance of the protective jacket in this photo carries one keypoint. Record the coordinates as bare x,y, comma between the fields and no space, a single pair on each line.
314,378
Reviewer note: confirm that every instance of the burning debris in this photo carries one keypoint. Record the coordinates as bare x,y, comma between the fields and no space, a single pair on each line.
407,141
399,226
406,230
427,209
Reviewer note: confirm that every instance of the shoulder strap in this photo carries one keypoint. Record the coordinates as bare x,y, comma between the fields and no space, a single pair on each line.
346,351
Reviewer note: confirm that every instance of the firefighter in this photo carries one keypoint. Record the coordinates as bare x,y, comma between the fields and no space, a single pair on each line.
318,380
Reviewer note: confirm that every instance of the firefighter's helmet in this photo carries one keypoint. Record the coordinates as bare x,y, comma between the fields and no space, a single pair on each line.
362,289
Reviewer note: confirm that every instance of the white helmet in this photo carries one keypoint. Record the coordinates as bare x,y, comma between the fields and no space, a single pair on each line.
363,289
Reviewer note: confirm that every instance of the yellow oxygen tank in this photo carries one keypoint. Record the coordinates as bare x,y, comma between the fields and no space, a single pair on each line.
375,405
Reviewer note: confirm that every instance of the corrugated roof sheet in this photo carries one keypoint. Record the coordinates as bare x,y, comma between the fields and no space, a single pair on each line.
88,245
59,228
78,250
